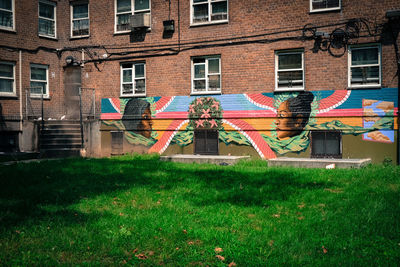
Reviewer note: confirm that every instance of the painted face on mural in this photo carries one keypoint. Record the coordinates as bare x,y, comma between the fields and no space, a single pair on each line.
293,115
146,124
287,125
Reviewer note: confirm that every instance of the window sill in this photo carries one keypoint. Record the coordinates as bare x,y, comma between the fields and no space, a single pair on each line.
288,89
376,86
10,96
8,30
48,37
194,25
73,38
206,93
137,95
325,10
40,97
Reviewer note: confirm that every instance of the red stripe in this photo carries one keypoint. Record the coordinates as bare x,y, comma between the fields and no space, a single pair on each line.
110,116
157,147
162,102
333,99
262,100
226,114
256,137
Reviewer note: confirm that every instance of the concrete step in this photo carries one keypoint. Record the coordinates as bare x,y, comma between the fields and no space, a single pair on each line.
61,126
49,146
60,153
51,140
61,131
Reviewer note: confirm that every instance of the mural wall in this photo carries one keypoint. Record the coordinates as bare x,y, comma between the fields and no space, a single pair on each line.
273,124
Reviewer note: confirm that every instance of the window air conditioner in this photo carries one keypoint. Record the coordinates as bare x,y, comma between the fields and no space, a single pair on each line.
140,21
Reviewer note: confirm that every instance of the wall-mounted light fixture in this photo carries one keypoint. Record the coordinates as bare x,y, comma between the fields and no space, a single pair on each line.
69,60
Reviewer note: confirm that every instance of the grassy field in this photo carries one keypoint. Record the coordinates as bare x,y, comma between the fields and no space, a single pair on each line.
137,210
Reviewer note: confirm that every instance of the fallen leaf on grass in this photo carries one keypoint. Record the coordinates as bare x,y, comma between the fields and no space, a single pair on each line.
271,243
302,205
276,215
232,264
184,231
141,256
324,250
218,250
190,243
220,257
135,250
121,214
151,253
301,218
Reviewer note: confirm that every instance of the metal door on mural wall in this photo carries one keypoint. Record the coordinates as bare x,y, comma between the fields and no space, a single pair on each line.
206,142
72,83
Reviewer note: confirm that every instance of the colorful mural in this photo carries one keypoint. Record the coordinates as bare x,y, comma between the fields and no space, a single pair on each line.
272,123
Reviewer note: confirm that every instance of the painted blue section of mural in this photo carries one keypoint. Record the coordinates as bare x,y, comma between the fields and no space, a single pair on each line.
228,102
106,106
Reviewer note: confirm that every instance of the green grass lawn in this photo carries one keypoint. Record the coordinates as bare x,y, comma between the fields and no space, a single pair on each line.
137,210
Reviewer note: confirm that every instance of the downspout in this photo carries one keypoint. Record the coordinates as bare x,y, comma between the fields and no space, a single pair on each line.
20,99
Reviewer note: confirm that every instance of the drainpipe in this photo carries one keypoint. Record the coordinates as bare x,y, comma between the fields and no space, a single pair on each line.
20,99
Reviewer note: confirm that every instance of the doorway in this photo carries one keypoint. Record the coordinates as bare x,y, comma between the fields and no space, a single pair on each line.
72,83
206,142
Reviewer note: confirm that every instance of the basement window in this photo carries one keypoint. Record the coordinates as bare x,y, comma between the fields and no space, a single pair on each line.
324,5
206,142
326,144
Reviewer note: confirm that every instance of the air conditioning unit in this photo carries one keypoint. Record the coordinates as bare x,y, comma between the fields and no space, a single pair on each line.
140,21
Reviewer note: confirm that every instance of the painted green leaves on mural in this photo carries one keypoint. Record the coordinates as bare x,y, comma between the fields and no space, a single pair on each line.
205,113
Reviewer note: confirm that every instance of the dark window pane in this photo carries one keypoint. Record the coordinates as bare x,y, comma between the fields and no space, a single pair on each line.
199,71
200,13
365,56
214,82
139,70
318,146
46,27
46,11
80,11
127,88
200,85
365,75
123,5
140,86
219,11
289,61
6,19
123,22
6,70
80,27
141,4
6,86
332,144
6,4
38,88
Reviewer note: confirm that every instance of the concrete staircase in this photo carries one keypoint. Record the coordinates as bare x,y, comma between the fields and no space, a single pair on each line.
60,139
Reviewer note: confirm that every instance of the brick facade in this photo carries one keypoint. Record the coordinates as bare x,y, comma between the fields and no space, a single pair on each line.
246,44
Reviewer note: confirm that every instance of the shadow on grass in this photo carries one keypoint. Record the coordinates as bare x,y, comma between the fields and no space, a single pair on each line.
26,188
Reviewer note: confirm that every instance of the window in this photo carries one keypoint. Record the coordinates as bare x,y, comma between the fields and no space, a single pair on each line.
206,75
47,19
133,79
7,17
206,142
125,8
7,79
209,11
326,144
324,5
365,66
80,20
289,70
39,80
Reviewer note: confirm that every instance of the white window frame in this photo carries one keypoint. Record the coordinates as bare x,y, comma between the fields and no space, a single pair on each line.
209,2
277,54
46,67
133,82
379,64
207,89
14,92
53,20
72,5
13,17
132,12
324,9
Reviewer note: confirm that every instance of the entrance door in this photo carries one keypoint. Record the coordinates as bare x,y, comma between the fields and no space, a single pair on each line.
72,83
206,142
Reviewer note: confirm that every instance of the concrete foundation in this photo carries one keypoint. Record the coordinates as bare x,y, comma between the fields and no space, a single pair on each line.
221,160
318,163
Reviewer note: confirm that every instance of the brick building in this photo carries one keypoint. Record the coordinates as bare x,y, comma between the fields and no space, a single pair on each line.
202,76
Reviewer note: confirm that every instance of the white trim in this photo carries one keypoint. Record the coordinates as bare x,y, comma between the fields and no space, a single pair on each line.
14,92
325,9
43,18
209,3
132,12
206,75
379,65
133,82
295,88
46,95
72,20
13,17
